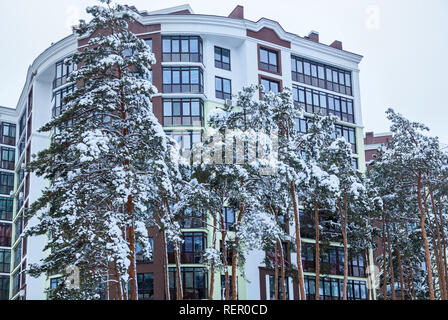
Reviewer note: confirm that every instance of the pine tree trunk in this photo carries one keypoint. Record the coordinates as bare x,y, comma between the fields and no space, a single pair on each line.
179,289
235,255
117,281
212,268
442,223
316,224
132,267
425,238
165,267
298,243
282,264
391,265
276,271
441,266
384,255
344,215
400,267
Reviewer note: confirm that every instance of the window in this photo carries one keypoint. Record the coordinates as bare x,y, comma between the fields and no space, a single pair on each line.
193,219
17,255
59,100
8,134
186,140
4,287
223,287
280,289
22,124
183,80
182,49
332,289
349,135
194,283
148,42
192,248
355,164
270,85
16,283
139,252
63,70
5,260
5,234
6,209
145,282
183,112
269,60
314,101
8,158
222,58
320,75
229,219
6,183
223,88
55,282
301,125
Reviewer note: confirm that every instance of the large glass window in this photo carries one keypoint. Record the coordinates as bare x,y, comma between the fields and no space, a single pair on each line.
183,112
348,133
8,158
8,134
192,249
320,75
183,79
229,219
145,283
6,205
222,58
223,287
5,234
6,183
63,70
5,260
22,123
4,287
59,99
332,289
193,219
280,289
269,60
223,88
139,252
194,283
314,101
270,85
185,139
182,49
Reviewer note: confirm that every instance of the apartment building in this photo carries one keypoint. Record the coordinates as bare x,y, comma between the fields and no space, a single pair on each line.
202,60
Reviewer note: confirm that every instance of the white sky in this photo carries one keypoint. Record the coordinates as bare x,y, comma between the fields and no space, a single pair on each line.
404,44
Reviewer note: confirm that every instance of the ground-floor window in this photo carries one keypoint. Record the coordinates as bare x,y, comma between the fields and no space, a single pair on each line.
332,289
145,283
194,283
280,289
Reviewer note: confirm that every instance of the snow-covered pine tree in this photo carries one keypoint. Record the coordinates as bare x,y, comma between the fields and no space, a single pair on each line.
106,161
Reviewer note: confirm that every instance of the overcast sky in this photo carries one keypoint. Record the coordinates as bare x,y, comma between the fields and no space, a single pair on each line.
404,44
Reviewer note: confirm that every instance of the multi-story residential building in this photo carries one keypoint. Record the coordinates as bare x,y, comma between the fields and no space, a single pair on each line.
8,131
202,60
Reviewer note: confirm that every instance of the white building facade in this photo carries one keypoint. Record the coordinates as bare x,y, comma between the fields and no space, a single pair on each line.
202,60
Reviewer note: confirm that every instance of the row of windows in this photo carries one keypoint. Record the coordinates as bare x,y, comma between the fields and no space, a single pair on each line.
183,80
320,75
314,101
6,205
183,112
6,183
182,49
8,158
8,134
192,249
332,262
332,289
5,260
194,283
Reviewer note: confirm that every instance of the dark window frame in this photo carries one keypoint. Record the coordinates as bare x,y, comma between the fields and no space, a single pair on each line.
145,293
190,120
10,137
10,161
183,86
63,69
199,290
6,183
267,65
182,56
302,71
223,94
219,61
270,81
